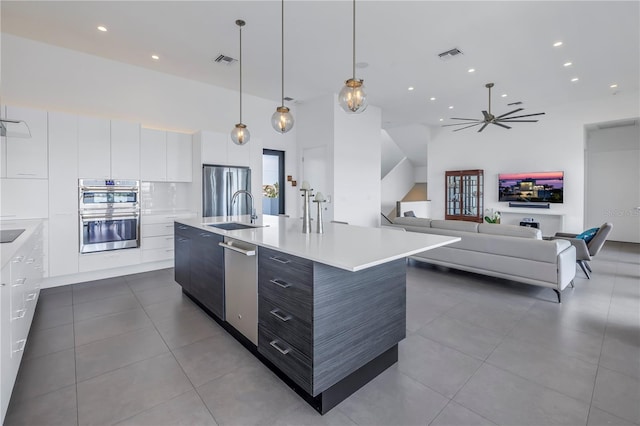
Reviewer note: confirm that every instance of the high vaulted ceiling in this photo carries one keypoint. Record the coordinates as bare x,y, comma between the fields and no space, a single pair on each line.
508,43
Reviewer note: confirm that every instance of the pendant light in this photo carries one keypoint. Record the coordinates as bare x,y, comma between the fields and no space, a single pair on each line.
352,97
240,134
282,120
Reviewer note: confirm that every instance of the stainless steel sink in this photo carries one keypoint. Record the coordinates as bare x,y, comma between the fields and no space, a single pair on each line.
232,226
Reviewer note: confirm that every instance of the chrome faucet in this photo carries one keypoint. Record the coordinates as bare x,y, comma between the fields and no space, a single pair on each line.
254,216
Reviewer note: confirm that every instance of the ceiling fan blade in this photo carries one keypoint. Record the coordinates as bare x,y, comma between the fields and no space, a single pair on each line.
487,116
462,128
501,125
461,124
510,112
468,119
518,121
482,128
526,115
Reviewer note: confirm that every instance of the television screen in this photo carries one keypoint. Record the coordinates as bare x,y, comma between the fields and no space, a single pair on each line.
531,187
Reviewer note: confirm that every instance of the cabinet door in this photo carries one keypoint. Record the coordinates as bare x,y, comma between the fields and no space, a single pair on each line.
153,155
182,267
125,150
94,148
207,272
3,157
178,157
214,147
64,243
27,157
6,379
63,163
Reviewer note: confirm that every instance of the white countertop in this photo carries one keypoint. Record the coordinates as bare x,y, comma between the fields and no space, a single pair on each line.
8,250
343,246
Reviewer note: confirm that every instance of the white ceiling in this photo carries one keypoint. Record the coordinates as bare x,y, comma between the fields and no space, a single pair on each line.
509,43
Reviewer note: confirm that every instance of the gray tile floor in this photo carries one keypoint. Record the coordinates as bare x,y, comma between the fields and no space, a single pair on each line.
479,351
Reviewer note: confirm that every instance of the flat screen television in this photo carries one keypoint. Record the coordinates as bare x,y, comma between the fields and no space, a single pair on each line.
532,187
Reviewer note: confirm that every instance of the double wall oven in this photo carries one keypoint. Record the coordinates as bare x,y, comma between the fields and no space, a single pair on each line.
109,214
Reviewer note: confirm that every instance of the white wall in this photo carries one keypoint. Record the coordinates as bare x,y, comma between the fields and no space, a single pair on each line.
420,174
391,154
556,142
43,76
396,184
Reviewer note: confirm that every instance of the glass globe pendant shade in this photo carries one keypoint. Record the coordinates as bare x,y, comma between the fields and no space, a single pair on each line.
282,120
352,97
240,134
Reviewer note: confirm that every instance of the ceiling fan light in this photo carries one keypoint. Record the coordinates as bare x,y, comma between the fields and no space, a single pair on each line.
353,98
240,134
282,120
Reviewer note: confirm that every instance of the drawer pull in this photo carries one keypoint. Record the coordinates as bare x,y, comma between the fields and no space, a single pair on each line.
184,228
22,343
277,313
274,343
205,235
18,259
279,282
21,314
31,297
30,261
280,260
19,282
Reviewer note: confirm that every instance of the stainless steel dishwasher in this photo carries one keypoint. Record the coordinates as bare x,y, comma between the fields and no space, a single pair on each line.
241,287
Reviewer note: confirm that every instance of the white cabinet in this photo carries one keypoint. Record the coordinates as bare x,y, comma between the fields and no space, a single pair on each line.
108,149
156,231
27,157
108,259
125,150
94,148
153,155
19,292
165,156
3,157
63,194
178,157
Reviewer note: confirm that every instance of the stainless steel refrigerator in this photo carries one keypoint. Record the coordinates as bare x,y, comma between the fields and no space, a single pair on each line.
219,183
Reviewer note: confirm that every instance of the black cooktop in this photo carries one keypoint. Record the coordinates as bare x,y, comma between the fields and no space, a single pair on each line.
9,235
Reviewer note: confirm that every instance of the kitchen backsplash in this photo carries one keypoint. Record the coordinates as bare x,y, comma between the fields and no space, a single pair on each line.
165,196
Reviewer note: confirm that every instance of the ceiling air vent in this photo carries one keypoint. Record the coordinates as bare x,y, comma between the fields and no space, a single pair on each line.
450,54
288,99
515,103
226,60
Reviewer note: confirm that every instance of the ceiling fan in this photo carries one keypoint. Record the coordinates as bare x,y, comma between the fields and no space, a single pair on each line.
492,119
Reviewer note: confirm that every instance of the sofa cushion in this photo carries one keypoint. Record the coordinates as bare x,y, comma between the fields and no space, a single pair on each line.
412,221
455,225
509,230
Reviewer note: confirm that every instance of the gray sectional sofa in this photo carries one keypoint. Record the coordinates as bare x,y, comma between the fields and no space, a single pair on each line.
504,251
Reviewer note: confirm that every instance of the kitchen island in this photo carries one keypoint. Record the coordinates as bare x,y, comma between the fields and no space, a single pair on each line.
324,311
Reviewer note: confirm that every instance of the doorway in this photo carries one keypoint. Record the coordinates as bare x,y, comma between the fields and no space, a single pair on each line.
272,182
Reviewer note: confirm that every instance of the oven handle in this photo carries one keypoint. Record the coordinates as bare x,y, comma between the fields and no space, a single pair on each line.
110,189
129,215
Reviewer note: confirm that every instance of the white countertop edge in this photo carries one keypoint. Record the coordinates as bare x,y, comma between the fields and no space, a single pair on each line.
8,250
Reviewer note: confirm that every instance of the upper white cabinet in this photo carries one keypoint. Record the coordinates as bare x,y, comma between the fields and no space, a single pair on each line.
125,150
108,149
26,157
94,148
165,156
153,155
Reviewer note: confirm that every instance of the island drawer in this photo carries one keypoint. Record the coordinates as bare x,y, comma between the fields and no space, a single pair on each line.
285,324
286,357
286,266
289,294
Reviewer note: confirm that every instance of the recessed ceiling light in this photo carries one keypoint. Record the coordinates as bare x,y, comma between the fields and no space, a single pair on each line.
504,95
451,107
432,98
574,79
410,88
557,44
102,28
471,70
442,119
155,57
613,86
568,64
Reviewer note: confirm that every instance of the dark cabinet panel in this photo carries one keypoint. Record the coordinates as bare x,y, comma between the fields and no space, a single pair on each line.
285,324
182,250
286,357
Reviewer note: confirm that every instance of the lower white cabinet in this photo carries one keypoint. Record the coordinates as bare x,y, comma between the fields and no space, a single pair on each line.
108,259
156,233
64,243
19,292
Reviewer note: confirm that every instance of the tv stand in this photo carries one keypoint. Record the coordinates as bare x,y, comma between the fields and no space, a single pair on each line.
550,223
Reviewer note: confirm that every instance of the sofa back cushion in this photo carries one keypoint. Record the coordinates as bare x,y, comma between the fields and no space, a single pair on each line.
509,230
412,221
455,225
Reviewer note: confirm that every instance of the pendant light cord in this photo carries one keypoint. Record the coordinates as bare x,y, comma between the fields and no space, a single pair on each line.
354,39
240,74
282,47
489,100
